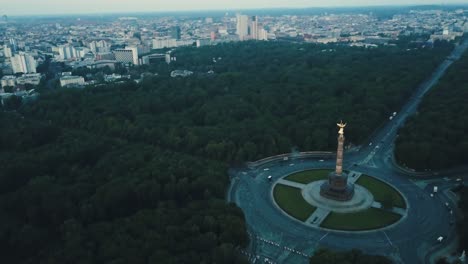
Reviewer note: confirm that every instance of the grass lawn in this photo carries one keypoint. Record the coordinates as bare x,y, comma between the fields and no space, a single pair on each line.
291,201
308,176
381,190
371,218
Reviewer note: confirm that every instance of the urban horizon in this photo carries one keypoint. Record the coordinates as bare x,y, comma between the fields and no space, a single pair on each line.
237,9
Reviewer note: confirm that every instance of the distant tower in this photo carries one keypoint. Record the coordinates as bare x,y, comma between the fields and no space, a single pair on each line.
175,32
254,28
337,187
242,26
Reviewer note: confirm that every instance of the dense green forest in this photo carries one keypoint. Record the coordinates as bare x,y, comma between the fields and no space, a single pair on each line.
263,99
436,137
137,173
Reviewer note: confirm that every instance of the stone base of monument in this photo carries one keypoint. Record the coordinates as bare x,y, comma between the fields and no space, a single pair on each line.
361,200
337,188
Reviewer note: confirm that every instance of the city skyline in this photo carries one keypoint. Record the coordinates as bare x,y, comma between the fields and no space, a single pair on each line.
54,7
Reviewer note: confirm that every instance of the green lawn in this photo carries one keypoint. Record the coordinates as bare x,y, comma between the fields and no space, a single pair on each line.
381,190
291,201
371,218
308,176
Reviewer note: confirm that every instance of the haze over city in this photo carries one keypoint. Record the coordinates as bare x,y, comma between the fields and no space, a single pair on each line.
40,7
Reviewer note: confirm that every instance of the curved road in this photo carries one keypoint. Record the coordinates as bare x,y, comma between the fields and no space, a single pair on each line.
280,239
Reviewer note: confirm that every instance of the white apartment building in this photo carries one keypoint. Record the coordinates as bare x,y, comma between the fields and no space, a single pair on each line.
23,63
161,43
71,81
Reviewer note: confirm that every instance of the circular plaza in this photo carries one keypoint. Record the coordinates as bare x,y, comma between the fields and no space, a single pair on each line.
374,205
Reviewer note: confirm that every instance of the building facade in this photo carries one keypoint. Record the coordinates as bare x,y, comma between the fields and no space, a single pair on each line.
161,43
242,27
129,55
68,81
23,63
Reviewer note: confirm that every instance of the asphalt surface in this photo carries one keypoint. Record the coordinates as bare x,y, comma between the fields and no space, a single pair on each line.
281,239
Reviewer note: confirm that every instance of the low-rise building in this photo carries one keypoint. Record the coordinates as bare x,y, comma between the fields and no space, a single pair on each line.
71,81
32,79
181,73
8,81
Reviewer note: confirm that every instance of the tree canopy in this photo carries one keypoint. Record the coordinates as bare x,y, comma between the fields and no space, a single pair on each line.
436,136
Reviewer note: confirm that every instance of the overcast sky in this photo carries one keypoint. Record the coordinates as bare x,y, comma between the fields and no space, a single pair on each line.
21,7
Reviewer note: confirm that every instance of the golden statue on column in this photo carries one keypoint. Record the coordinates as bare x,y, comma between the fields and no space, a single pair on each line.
337,187
341,126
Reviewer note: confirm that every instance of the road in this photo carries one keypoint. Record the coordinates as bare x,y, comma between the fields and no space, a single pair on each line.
282,239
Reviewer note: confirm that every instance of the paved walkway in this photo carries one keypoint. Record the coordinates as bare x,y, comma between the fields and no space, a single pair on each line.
353,176
317,217
292,184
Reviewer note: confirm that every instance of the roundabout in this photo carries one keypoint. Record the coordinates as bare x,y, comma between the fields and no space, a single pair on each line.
303,202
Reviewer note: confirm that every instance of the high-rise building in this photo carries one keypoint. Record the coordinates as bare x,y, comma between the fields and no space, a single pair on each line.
13,45
129,55
7,52
23,63
99,46
242,26
254,28
175,32
67,52
262,34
